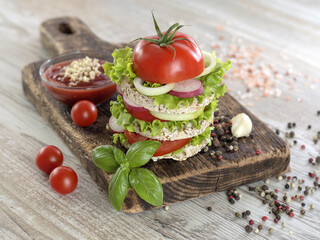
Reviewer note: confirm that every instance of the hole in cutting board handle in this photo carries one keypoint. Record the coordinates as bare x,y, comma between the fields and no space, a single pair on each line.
65,28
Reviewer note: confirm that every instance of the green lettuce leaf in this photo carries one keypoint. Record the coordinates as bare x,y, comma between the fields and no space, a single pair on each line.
206,135
128,122
119,138
121,66
152,85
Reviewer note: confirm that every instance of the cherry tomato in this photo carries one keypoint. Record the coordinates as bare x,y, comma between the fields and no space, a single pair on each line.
157,64
84,113
165,147
48,158
63,180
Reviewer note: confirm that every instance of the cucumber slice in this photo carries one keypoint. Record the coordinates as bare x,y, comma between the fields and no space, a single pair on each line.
209,61
177,117
148,91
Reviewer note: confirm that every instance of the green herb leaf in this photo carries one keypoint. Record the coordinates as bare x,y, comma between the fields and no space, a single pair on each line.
119,187
104,158
119,156
141,152
147,185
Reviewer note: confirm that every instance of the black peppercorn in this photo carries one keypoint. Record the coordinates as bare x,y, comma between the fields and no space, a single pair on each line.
248,229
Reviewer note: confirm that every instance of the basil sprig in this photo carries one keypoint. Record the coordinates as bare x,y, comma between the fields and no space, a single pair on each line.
127,172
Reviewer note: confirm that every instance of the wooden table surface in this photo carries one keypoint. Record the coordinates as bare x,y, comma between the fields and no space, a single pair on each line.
288,32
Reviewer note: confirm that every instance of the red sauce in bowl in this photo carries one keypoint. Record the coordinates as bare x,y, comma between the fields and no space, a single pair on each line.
97,90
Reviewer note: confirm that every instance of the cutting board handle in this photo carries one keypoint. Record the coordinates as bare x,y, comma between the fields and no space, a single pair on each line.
66,34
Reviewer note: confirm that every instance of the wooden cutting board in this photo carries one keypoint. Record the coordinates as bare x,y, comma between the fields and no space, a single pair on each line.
196,177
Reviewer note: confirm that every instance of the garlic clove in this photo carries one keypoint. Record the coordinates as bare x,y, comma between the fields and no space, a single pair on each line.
241,125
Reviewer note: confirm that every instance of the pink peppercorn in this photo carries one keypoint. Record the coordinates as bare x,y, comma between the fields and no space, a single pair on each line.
293,198
287,207
317,178
291,214
220,157
301,197
303,146
288,177
311,174
310,160
275,220
276,190
251,222
213,134
258,151
264,218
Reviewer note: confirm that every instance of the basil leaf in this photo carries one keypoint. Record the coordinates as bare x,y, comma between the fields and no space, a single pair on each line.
119,155
119,187
103,157
141,152
147,185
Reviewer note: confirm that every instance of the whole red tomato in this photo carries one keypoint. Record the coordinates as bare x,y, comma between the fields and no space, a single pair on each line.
48,158
63,180
159,64
84,113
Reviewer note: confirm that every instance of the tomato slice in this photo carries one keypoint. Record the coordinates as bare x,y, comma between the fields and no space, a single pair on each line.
165,147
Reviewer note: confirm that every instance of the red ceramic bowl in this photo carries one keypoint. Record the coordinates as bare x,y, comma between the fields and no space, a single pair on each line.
97,92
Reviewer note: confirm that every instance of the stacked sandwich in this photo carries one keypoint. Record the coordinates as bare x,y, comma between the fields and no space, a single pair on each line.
168,90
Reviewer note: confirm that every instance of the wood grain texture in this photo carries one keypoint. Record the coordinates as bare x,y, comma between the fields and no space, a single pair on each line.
198,176
29,209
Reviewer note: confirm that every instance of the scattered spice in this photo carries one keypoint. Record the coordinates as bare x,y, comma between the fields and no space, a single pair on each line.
209,208
248,229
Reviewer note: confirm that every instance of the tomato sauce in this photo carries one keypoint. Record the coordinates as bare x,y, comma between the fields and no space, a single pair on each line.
98,90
